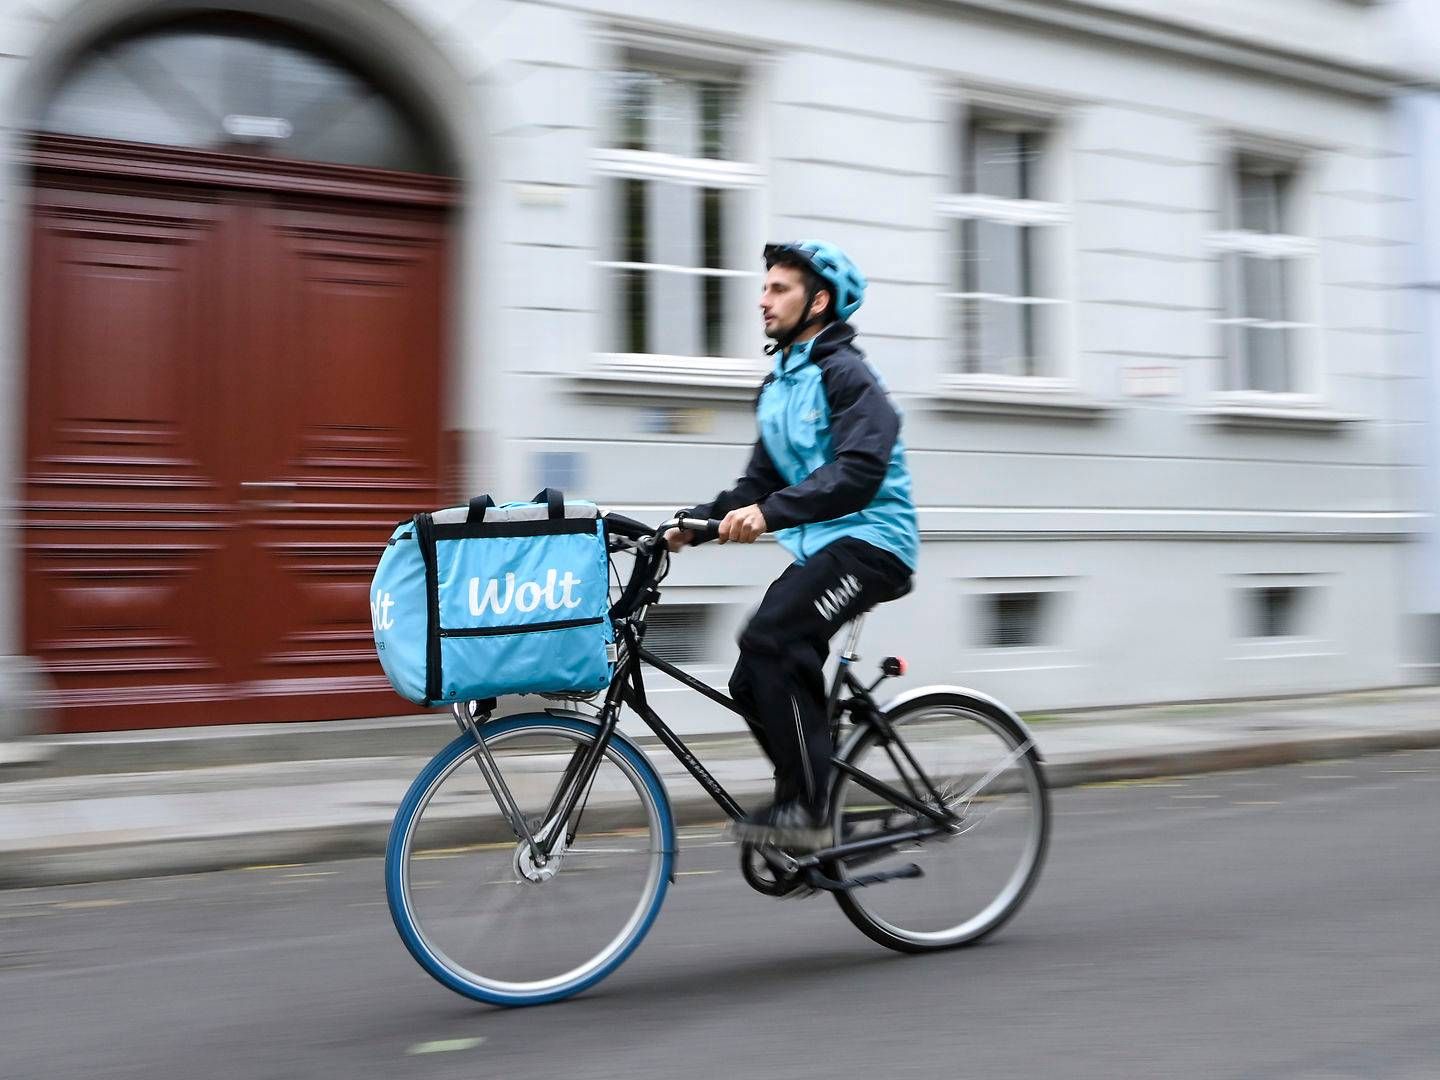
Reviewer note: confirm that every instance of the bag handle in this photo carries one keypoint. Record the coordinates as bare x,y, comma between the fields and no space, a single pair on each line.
478,505
556,498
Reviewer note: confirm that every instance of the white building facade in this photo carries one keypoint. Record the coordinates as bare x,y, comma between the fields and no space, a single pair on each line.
1138,283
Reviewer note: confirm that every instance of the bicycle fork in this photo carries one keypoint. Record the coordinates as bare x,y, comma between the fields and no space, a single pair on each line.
572,791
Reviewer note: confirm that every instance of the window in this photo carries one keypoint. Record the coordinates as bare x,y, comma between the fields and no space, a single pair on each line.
1274,611
1267,272
1016,620
239,85
680,633
1006,237
678,257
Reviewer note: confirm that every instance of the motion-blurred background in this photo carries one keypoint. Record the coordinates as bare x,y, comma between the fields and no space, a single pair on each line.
1154,284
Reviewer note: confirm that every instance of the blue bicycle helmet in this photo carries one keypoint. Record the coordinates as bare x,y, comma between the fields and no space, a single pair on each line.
831,265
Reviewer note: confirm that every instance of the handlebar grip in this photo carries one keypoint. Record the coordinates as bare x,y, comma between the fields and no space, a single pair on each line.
703,528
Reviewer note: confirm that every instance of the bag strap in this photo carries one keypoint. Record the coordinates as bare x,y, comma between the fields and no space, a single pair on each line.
556,498
478,505
434,680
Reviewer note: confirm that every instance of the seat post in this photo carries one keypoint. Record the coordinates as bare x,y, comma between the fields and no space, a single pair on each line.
852,641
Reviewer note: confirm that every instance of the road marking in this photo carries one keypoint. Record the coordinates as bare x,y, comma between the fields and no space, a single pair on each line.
695,873
273,866
1415,771
1257,802
454,852
445,1046
71,905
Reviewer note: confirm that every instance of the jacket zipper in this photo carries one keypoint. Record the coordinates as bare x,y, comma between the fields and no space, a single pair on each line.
785,431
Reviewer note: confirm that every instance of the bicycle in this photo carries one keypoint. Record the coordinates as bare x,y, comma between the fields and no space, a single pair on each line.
531,856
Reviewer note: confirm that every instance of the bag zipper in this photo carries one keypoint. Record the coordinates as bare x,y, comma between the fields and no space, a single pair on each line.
532,628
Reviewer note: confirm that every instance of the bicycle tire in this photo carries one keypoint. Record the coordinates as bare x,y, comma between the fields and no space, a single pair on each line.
402,853
861,905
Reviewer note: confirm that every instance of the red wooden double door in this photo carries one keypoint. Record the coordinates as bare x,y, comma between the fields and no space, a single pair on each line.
233,394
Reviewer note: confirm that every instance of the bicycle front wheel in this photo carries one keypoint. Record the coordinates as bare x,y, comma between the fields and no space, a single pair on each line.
969,757
472,902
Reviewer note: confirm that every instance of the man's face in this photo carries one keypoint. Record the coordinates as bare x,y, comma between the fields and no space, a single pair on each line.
782,299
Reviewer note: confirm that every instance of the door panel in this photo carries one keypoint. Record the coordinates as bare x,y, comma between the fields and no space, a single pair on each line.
125,530
345,389
232,400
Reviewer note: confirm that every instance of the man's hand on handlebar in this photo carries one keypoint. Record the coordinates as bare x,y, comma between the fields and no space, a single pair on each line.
688,530
743,526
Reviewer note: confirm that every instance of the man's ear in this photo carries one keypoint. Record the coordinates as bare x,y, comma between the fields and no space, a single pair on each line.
820,304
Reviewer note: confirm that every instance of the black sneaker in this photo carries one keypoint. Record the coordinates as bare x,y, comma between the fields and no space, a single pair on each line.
783,824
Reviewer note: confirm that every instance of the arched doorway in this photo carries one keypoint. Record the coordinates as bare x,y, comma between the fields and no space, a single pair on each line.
235,337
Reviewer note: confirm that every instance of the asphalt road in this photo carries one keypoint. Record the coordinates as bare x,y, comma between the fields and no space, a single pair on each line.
1281,923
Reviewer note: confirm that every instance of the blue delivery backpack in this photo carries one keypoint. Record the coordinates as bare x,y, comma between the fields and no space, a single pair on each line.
482,600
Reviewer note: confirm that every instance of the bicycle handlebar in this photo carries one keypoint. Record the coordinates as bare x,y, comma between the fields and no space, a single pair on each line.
651,551
703,528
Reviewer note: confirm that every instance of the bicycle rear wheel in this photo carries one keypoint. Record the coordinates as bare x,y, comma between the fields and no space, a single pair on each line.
974,878
468,897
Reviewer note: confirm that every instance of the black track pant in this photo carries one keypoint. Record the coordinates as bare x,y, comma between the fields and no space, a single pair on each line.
779,679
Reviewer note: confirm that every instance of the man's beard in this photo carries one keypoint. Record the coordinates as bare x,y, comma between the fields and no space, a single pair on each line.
780,331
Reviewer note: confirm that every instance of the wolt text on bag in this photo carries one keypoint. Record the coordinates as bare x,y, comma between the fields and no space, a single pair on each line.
482,600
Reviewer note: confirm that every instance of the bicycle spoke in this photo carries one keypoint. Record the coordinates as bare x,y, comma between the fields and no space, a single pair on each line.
491,915
973,873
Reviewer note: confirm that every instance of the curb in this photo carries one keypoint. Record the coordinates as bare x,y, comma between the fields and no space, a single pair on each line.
232,851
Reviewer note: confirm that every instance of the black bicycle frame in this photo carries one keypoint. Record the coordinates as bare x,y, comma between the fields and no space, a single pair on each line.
628,687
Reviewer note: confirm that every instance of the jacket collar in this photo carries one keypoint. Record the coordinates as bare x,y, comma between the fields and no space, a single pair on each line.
835,336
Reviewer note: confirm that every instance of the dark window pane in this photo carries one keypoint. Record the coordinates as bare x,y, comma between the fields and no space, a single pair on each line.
1274,612
712,299
679,633
1016,620
633,228
713,228
634,300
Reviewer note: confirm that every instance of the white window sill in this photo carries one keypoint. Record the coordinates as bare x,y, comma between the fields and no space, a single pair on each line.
1004,395
1283,647
647,375
1274,412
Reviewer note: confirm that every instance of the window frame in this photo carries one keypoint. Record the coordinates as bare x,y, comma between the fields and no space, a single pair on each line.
1052,216
1317,611
1060,608
695,61
1297,249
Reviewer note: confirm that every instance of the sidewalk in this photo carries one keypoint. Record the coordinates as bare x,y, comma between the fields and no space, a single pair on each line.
85,808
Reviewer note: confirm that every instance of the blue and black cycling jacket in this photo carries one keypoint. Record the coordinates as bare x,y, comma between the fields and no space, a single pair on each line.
829,461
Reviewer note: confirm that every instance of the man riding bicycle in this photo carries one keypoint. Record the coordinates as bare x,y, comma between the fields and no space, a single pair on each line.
828,476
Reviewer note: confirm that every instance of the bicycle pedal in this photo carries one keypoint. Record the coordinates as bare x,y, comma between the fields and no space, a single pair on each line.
816,880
